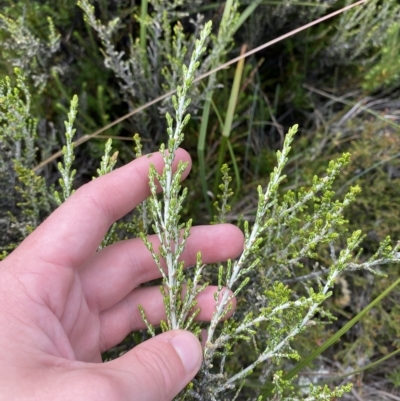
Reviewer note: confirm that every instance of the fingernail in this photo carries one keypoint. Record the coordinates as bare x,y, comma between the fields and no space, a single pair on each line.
189,350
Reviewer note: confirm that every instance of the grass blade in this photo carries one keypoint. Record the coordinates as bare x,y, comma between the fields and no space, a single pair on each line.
227,127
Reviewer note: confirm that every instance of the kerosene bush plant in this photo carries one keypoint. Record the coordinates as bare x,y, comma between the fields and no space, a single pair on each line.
299,245
288,231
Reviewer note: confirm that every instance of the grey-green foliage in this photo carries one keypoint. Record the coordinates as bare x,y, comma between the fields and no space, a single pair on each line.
288,231
386,70
272,16
25,50
67,175
108,161
24,195
18,128
151,66
361,32
282,12
166,215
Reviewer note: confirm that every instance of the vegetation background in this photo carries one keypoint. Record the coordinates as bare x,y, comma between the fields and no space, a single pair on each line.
339,80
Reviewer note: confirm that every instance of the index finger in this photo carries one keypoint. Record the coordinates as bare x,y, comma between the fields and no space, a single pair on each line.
74,231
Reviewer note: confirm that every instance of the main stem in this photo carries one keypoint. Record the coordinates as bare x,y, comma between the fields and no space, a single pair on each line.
169,236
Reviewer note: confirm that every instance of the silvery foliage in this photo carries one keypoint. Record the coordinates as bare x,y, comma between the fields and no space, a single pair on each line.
147,70
271,17
361,32
288,231
23,193
26,198
28,52
67,174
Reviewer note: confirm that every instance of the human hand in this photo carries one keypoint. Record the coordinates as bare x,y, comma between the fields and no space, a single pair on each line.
62,302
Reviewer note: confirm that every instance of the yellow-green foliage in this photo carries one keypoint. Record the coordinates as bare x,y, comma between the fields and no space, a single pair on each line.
386,69
25,195
374,144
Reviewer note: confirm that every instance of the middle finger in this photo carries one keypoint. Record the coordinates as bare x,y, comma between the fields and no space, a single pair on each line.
115,271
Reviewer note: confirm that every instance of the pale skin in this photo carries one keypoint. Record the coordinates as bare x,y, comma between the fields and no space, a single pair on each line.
62,302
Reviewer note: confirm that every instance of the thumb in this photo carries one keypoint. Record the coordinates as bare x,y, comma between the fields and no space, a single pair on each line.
158,369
